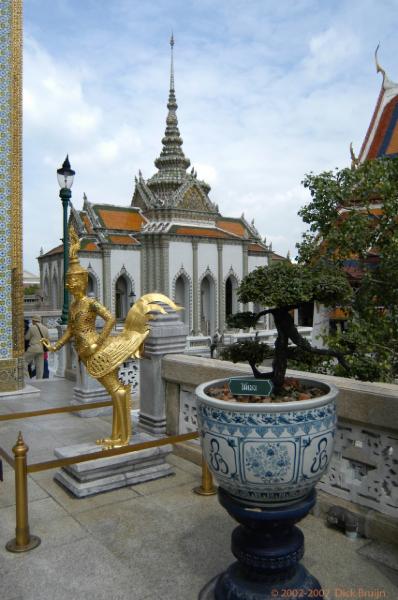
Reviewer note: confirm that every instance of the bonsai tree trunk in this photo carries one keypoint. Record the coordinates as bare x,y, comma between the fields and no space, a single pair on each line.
283,323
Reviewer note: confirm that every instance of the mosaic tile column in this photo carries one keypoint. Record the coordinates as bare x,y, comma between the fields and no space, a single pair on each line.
11,269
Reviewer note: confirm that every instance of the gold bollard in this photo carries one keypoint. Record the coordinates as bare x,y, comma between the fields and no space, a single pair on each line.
207,488
23,541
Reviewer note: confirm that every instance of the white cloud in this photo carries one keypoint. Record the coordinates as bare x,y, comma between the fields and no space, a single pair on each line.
266,93
206,172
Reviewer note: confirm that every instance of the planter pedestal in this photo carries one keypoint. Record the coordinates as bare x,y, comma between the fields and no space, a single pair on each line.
268,548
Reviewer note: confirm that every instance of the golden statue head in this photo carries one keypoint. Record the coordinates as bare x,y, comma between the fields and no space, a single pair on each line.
76,276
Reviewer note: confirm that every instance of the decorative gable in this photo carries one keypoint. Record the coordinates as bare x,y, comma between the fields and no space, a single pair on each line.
192,197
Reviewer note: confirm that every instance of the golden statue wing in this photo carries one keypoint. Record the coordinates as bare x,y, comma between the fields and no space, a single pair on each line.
139,314
129,342
112,354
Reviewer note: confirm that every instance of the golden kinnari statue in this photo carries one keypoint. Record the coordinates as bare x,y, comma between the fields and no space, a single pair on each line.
101,353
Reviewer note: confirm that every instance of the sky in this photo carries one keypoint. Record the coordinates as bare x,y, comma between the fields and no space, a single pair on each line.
267,90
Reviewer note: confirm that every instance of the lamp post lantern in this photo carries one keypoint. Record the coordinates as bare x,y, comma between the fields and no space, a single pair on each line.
65,177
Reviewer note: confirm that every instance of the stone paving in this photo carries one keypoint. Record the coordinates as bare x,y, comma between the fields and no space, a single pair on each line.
153,541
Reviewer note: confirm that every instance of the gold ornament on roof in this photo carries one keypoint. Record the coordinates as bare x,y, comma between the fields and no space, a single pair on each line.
103,353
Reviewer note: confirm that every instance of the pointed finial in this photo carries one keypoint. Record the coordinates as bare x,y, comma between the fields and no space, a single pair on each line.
379,69
20,448
288,255
354,159
171,62
140,173
41,251
84,197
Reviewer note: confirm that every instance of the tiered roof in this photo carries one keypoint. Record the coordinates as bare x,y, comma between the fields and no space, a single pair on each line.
172,202
172,186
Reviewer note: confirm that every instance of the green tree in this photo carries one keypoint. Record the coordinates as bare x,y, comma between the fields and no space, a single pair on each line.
282,287
352,218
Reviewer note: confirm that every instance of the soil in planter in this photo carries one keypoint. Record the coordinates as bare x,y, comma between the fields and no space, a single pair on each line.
293,390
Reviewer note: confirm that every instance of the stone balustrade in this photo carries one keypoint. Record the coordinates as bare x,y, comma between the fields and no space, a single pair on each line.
364,468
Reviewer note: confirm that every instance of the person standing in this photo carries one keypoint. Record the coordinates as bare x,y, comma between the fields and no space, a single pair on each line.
35,351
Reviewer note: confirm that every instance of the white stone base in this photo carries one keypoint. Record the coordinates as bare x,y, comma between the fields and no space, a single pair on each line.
104,474
28,390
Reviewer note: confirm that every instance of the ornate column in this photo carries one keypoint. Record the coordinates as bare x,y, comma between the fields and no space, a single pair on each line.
195,291
164,256
11,269
158,265
168,335
106,277
221,291
245,265
143,267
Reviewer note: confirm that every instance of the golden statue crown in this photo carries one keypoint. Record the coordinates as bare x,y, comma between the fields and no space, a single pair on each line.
74,247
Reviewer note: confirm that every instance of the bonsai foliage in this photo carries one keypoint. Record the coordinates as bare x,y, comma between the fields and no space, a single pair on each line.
283,287
352,220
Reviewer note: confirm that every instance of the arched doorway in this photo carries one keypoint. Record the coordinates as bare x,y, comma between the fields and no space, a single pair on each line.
46,290
182,298
122,289
231,302
92,290
207,306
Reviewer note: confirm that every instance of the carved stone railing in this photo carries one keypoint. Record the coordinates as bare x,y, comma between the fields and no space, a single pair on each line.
364,468
199,345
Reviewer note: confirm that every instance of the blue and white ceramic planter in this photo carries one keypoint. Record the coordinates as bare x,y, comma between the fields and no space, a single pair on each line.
267,454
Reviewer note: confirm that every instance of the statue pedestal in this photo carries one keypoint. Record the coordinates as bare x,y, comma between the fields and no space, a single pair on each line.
104,474
268,547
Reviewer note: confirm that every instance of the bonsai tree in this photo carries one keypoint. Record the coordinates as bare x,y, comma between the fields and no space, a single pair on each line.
283,287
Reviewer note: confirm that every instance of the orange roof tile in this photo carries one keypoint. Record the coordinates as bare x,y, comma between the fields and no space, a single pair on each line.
90,247
232,226
87,223
385,141
202,232
121,219
256,248
123,239
56,250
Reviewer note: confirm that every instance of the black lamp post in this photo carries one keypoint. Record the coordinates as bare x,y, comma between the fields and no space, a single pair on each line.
65,177
132,297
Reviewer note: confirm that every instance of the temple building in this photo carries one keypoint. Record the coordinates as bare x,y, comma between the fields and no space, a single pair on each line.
381,141
171,239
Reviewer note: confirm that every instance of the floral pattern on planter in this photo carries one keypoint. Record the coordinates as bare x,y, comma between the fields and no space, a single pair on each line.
263,455
269,462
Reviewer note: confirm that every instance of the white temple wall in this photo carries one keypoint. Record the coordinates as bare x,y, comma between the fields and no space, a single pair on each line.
207,257
257,261
232,256
125,262
180,256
